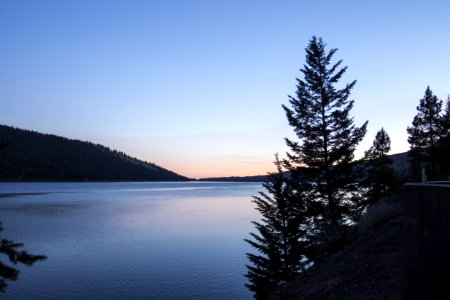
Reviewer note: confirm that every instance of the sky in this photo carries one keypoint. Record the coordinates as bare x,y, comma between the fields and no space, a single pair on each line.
197,86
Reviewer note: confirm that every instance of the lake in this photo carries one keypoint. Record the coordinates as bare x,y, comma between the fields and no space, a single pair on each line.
164,240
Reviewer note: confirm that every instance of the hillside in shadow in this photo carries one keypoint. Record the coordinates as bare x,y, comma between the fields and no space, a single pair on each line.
33,156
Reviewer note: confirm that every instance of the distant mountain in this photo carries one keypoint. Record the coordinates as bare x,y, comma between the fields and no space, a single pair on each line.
399,163
31,156
257,178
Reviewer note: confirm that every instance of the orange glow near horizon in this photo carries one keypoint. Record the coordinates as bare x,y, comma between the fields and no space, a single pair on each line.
220,169
208,155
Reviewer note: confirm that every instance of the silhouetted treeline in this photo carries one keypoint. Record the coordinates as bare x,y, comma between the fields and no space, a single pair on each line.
429,138
311,214
257,178
399,164
33,156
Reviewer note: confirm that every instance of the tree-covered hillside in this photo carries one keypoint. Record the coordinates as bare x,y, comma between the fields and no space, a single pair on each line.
33,156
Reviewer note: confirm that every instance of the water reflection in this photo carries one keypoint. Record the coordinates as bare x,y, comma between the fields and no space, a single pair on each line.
132,240
48,209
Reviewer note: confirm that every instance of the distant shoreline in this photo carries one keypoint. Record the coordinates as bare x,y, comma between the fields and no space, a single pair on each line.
258,178
6,195
89,181
224,179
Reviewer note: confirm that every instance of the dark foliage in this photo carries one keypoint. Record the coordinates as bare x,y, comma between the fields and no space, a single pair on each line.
15,256
380,148
320,116
280,240
445,120
32,156
444,143
381,180
424,135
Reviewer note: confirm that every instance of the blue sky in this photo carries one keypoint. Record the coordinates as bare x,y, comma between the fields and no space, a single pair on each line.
197,86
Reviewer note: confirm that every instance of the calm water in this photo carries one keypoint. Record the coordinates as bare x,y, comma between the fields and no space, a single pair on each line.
130,240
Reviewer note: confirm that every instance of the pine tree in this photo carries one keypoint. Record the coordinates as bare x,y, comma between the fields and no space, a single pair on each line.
424,135
380,148
280,239
444,142
445,119
327,136
10,249
381,180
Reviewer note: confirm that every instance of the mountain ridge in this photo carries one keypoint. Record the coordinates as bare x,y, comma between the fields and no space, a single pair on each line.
29,155
399,163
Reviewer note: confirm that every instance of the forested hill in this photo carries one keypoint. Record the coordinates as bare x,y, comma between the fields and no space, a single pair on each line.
32,156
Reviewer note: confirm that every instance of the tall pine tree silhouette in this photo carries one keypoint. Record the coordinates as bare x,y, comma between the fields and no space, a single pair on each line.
424,135
327,138
280,240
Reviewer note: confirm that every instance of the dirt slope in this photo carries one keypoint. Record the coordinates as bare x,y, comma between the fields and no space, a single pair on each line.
369,268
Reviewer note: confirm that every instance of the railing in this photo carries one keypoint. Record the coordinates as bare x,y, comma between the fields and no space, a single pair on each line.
439,182
427,240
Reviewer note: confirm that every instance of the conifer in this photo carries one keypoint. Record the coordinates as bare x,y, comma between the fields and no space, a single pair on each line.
424,135
327,138
11,250
444,142
380,179
280,236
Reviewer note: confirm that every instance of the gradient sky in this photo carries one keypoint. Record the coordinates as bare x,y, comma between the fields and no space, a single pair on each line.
197,86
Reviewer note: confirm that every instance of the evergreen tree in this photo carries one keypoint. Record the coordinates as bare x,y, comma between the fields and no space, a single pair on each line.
280,239
445,120
424,135
10,249
323,156
381,180
380,148
444,142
